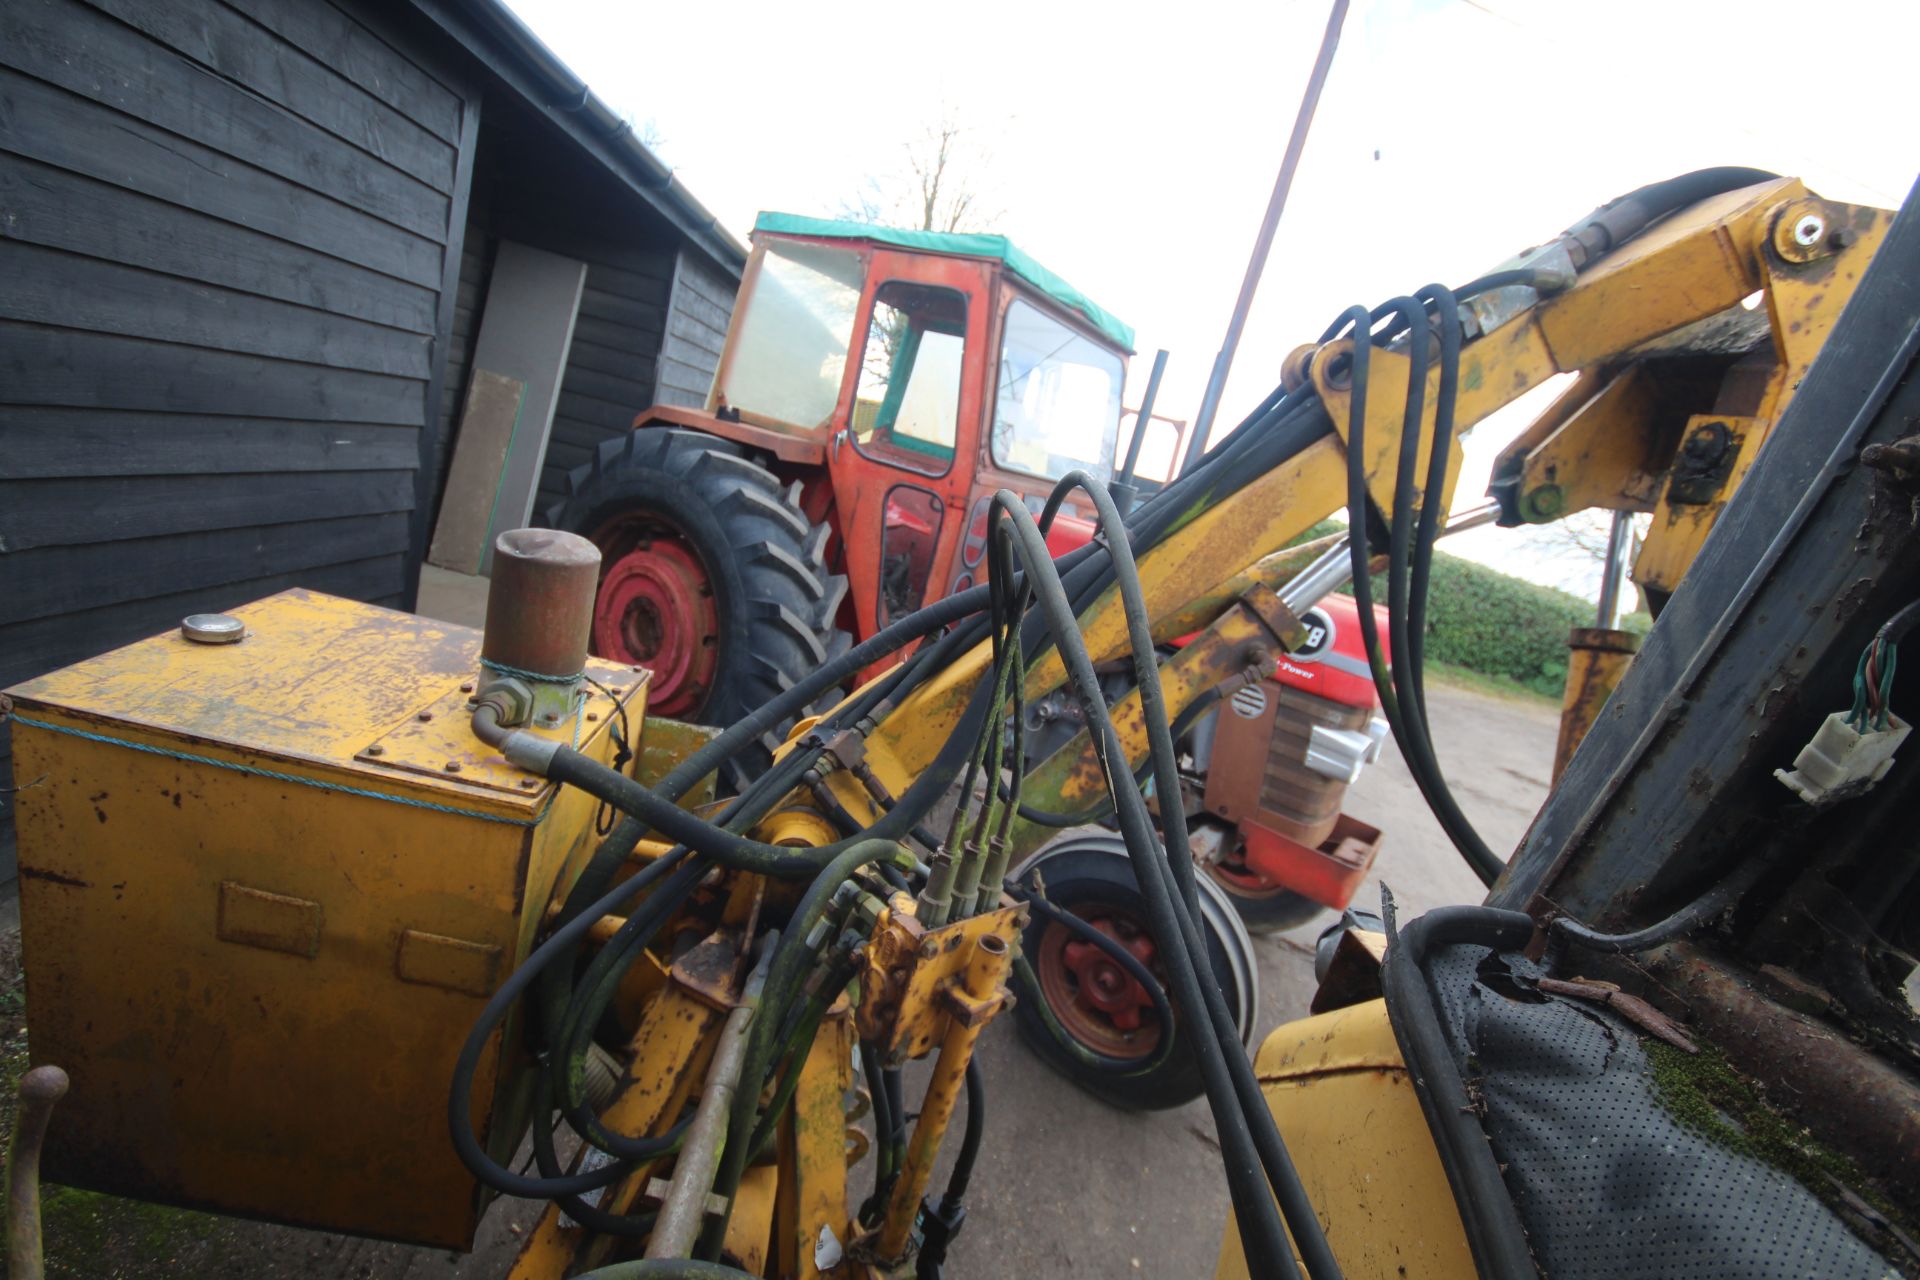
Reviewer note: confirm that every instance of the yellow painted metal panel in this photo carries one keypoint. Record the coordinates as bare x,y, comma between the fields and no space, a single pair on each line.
256,954
1339,1092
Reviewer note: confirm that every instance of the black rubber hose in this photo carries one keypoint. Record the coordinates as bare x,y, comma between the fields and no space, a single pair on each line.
612,852
1446,308
577,769
1265,1136
970,1137
459,1097
593,995
1146,674
1487,1211
1417,751
1401,525
883,1129
1262,1235
1620,219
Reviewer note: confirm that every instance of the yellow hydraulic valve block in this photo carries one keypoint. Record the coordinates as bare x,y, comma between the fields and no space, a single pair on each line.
266,887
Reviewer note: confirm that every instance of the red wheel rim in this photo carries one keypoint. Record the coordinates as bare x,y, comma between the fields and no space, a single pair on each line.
1098,1002
1242,881
656,609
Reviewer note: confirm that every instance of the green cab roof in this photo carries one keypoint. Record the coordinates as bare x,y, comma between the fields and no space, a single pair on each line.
970,245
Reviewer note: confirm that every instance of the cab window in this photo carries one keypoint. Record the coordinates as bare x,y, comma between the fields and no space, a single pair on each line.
791,348
907,408
1057,404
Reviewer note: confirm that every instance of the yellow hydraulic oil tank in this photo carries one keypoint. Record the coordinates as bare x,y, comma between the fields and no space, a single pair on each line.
266,887
1339,1093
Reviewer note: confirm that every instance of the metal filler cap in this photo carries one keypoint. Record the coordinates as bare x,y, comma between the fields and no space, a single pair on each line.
212,628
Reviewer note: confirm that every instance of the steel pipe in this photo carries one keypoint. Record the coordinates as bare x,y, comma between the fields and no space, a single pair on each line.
683,1212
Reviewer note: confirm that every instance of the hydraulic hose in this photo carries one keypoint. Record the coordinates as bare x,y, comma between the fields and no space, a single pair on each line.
884,1129
784,977
466,1143
970,1137
1410,735
1146,674
1264,1135
1262,1235
1614,223
573,768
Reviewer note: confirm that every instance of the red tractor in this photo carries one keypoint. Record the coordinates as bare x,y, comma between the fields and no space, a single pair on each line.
877,387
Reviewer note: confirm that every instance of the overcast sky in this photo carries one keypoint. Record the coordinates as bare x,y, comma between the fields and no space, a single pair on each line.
1132,147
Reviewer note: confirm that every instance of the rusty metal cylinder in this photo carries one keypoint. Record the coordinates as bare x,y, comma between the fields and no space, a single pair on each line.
540,603
540,616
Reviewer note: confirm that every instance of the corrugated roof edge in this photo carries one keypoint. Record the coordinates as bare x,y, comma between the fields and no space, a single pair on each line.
966,244
604,134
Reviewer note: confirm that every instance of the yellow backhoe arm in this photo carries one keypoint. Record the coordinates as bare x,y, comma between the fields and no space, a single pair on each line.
1646,297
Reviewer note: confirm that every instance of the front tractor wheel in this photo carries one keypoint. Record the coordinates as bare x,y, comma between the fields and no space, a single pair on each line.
1092,999
711,576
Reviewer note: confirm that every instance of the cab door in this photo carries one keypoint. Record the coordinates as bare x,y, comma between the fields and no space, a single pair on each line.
1054,405
908,420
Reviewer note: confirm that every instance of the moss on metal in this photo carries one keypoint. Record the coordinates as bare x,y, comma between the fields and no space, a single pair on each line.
1705,1094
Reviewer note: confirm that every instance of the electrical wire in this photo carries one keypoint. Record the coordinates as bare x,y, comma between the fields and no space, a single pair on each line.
1873,676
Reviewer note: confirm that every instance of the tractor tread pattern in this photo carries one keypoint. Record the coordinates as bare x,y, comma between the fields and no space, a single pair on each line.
785,599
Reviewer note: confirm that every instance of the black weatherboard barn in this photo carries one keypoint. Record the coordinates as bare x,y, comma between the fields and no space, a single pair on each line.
246,252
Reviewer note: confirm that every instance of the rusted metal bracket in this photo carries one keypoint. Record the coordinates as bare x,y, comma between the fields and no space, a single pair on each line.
913,984
1280,622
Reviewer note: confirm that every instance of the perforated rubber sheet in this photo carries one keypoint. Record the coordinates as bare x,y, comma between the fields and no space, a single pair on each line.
1607,1182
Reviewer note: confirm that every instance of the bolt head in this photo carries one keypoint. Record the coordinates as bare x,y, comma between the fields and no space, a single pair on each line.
466,686
528,784
1809,230
1544,502
376,750
424,715
451,766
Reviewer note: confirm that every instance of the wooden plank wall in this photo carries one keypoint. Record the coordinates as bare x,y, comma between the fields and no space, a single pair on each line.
701,306
223,242
611,367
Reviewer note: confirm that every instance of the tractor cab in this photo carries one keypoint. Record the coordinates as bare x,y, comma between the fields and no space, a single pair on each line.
876,388
934,369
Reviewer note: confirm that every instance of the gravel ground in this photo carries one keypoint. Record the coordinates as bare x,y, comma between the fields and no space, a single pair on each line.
1066,1186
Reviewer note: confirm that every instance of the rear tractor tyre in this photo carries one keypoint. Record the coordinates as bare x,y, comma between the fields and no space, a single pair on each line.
1091,997
710,576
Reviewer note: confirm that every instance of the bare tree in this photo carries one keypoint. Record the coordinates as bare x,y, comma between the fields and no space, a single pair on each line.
939,187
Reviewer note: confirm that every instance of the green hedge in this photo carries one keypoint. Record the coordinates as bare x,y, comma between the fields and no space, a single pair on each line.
1497,624
1494,623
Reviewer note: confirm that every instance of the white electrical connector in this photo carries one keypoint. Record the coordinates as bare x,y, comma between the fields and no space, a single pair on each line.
1842,762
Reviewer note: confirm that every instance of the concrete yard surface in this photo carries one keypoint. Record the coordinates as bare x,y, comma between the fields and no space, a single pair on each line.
1066,1186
